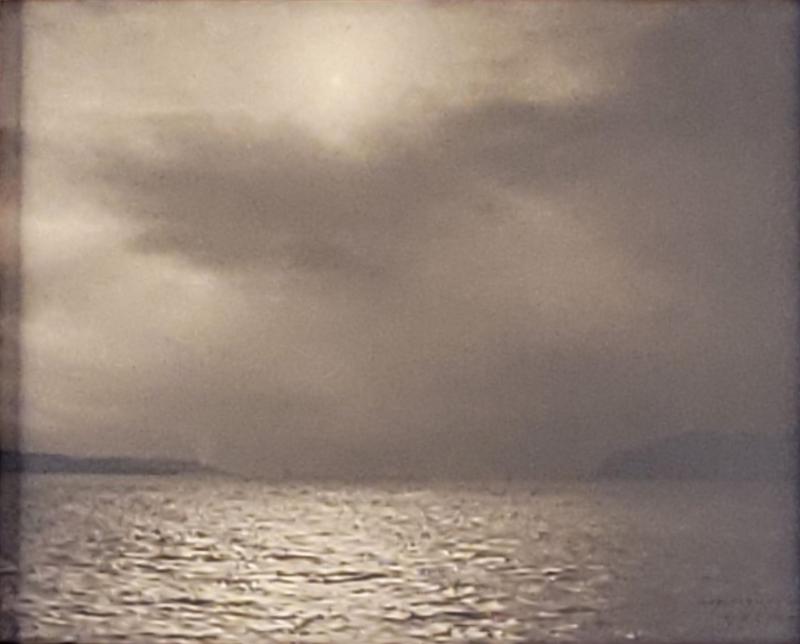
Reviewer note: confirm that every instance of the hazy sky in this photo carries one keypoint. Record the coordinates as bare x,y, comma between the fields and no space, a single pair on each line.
463,237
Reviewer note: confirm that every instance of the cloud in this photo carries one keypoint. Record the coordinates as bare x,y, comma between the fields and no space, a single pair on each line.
501,285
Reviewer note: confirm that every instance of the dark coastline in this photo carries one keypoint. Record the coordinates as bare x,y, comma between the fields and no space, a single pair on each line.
44,463
705,455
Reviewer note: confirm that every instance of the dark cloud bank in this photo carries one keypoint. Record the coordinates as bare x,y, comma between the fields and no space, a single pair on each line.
508,288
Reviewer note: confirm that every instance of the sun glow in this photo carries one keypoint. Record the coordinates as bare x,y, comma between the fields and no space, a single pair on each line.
340,78
339,74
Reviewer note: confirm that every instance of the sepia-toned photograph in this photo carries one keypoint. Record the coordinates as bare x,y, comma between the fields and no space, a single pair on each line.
383,322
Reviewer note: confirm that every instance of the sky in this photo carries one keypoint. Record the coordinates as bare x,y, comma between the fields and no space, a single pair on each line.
406,238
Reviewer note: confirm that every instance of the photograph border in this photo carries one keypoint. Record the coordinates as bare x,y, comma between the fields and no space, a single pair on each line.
11,288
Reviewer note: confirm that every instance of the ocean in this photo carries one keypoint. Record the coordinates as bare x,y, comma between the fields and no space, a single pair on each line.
201,558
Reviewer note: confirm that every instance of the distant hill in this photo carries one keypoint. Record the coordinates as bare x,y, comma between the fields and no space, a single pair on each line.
43,463
706,455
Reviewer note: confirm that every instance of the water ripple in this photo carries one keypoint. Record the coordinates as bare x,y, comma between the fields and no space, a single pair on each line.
223,560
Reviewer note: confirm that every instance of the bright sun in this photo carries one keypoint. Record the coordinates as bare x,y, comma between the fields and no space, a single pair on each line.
338,77
343,90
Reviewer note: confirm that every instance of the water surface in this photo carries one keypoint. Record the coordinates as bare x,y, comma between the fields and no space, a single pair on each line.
191,559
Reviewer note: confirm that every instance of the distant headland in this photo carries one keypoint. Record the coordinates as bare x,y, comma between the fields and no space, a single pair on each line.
46,463
706,455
